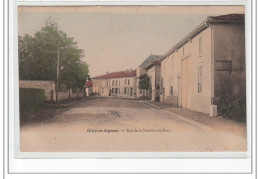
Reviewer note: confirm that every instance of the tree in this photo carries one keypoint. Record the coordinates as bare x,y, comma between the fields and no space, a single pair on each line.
144,83
38,57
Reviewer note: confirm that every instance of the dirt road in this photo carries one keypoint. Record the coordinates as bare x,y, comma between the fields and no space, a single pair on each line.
116,125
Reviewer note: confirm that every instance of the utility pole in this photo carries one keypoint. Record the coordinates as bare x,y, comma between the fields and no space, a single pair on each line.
58,72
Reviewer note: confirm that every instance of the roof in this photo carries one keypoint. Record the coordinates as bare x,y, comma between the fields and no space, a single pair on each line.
151,64
89,84
119,74
151,58
229,18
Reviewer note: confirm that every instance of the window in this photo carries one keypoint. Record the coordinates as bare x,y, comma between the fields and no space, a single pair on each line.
171,85
164,66
128,82
113,83
107,83
200,79
125,81
172,62
223,65
124,90
118,90
200,46
162,88
116,82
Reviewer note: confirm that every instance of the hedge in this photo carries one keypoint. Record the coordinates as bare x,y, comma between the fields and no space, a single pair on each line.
234,108
30,100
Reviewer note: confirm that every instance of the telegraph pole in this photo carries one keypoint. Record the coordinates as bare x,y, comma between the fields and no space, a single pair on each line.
58,72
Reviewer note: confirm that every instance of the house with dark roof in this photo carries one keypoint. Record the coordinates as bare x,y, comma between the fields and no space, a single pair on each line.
206,66
121,83
151,67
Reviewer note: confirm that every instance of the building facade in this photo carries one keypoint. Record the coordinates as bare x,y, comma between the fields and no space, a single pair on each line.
151,68
88,87
206,66
154,73
121,84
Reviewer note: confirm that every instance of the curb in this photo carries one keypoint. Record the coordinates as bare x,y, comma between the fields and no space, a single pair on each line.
190,121
187,120
151,105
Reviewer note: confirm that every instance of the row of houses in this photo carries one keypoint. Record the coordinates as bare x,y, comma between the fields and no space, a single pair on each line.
204,67
121,84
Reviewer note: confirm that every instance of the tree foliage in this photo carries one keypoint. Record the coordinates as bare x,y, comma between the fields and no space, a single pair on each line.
144,83
38,56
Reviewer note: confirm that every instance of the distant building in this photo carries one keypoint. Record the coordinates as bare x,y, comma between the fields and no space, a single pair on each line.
88,87
122,84
142,70
206,65
154,73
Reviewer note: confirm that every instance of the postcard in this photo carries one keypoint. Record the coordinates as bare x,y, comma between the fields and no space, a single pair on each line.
132,81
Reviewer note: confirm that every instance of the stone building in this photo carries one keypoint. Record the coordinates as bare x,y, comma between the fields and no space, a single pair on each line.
206,65
142,70
121,84
154,73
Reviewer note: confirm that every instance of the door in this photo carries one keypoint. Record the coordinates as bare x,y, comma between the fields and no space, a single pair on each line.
131,91
185,83
179,91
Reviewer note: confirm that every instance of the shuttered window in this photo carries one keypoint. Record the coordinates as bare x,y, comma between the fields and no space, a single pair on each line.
200,79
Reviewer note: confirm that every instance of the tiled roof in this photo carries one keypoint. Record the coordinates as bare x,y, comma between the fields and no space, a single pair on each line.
119,74
89,84
151,58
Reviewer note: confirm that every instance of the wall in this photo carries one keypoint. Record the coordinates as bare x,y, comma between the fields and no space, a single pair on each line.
154,75
229,48
88,91
172,73
47,86
201,101
103,86
122,83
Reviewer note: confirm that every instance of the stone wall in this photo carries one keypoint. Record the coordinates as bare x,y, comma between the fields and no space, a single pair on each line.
47,86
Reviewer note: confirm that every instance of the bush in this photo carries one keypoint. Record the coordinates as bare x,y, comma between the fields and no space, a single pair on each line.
30,100
234,108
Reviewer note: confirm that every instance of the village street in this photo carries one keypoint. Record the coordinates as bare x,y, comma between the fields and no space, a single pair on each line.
123,125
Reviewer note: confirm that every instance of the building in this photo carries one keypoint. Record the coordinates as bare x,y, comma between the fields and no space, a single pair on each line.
121,84
206,65
142,70
88,87
154,73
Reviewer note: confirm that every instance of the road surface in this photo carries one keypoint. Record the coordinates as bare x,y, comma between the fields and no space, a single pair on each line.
120,125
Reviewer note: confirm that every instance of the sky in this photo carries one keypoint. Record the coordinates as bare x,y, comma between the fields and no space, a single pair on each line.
116,38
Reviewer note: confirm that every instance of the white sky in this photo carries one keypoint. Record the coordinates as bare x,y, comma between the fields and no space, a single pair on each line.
117,38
